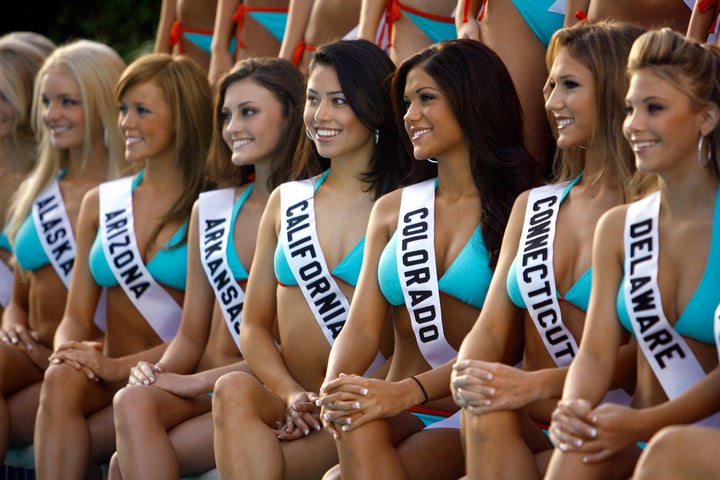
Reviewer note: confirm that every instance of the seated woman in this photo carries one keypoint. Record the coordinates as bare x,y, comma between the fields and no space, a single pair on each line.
544,273
132,240
74,114
312,23
20,60
431,251
407,27
244,29
655,271
309,249
163,419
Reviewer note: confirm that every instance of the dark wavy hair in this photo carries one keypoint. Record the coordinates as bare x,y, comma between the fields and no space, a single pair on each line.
286,83
481,94
365,72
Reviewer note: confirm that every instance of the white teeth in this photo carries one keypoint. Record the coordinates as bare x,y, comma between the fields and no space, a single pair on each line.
240,143
324,132
419,133
564,122
59,129
643,144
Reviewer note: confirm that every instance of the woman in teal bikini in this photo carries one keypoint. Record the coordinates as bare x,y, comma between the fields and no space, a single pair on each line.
72,107
656,268
540,293
429,272
309,249
163,421
20,60
132,240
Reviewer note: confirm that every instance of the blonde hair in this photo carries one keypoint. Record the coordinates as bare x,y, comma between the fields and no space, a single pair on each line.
603,49
20,61
690,67
187,93
95,68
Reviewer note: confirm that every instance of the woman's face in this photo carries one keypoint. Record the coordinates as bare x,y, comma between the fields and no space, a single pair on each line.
253,122
570,100
429,119
62,110
332,124
146,123
661,125
7,116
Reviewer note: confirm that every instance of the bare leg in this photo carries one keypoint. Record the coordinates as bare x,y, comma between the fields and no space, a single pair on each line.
433,454
114,472
192,442
62,436
680,452
17,406
570,465
245,444
143,416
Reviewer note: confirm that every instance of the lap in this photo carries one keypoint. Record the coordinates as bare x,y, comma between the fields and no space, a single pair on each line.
168,408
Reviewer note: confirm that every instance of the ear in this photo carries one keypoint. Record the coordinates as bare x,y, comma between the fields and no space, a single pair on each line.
710,118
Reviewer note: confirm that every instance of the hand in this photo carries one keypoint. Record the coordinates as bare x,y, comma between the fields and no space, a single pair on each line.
144,373
28,342
301,416
482,387
351,401
469,29
186,386
84,356
618,427
573,424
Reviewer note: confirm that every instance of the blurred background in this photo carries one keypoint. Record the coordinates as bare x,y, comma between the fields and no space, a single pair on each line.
128,26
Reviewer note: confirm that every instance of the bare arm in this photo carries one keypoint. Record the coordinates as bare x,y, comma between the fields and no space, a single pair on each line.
572,6
221,61
699,24
371,11
298,18
467,27
168,15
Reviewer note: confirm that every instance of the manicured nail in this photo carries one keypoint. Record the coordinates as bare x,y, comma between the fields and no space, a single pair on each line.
578,442
364,391
593,433
356,405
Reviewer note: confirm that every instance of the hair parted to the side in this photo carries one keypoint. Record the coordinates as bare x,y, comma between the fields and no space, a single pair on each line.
603,49
20,61
490,116
95,68
187,92
364,72
286,83
690,67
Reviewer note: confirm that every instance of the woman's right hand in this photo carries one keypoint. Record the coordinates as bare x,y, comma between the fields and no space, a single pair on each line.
573,423
301,416
144,373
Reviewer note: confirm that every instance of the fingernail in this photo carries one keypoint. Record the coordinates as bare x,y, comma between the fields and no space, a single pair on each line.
593,433
30,347
317,403
344,428
486,403
294,408
356,405
335,435
306,431
491,391
317,427
563,447
145,382
584,460
326,416
578,442
364,391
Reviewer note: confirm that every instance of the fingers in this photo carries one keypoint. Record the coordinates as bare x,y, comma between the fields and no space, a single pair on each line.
347,383
142,374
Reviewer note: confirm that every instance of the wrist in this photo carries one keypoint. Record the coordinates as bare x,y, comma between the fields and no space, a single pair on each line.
420,395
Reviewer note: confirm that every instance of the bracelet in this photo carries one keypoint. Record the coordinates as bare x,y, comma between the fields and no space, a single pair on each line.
421,388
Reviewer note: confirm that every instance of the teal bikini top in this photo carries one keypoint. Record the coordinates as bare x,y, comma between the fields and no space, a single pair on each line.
579,293
168,266
696,321
5,242
29,252
348,270
238,271
467,278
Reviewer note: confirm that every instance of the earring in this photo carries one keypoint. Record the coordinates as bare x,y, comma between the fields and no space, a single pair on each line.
702,159
106,138
377,136
432,160
307,134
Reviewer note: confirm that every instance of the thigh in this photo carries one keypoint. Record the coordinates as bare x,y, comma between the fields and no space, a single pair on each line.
16,370
22,407
66,387
139,401
192,441
309,457
240,394
433,454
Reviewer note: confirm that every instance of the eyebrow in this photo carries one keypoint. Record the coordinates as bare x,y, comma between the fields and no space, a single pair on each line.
332,92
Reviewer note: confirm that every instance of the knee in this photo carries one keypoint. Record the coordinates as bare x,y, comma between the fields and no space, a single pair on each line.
131,404
59,383
485,427
229,391
660,452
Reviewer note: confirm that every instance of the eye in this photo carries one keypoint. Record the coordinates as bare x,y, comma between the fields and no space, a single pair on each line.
45,100
550,84
225,116
426,97
123,109
312,100
405,105
654,108
69,102
570,84
338,101
3,97
629,109
142,110
248,112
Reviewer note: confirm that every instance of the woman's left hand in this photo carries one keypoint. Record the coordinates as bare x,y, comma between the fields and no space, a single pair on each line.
85,356
301,416
482,387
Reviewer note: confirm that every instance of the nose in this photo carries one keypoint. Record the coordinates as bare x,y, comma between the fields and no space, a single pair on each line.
125,119
322,111
412,113
633,121
234,124
51,111
553,100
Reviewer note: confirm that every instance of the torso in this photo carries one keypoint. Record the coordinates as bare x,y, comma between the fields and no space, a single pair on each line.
259,41
197,15
408,37
646,13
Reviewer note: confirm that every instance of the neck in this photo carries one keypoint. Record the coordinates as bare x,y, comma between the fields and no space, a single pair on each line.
689,195
96,164
262,174
163,174
455,176
347,174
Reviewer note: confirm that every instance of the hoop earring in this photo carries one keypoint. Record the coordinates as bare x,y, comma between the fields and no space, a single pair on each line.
106,138
704,160
432,160
377,136
307,134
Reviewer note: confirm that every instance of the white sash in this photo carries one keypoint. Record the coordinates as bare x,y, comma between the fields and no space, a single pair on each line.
716,329
671,359
415,257
55,231
215,211
6,284
300,243
117,232
536,276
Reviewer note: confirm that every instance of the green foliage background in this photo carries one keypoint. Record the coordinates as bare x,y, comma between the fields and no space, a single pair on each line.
128,26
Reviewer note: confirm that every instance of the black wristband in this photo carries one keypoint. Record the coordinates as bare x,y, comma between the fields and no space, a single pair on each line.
421,388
